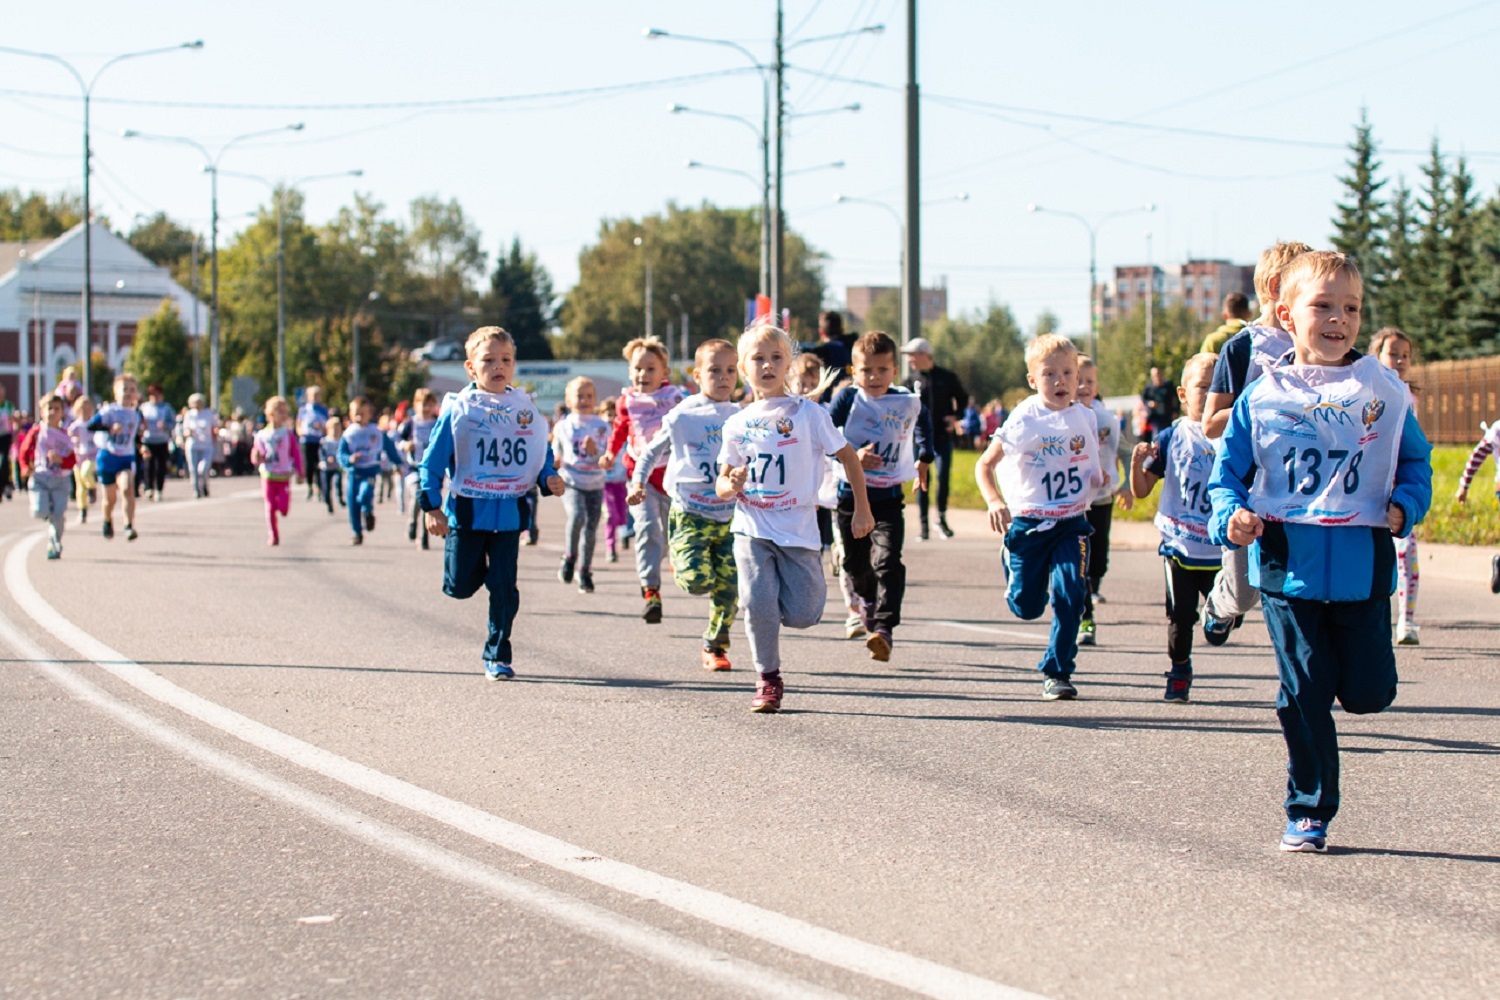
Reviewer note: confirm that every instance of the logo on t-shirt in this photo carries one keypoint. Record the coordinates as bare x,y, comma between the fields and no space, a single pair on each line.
1076,444
1373,411
784,426
524,418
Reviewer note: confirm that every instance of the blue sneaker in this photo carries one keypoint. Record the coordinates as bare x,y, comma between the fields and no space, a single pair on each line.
497,671
1215,629
1307,835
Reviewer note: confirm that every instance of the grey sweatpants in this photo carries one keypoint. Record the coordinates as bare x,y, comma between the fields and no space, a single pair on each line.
200,461
650,517
778,586
583,508
1232,595
49,501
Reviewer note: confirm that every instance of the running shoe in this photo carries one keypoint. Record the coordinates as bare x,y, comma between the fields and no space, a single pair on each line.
652,611
943,526
130,534
411,532
1098,598
923,534
1495,575
879,644
1215,629
1179,682
1087,633
614,556
357,540
585,581
83,516
1305,835
497,671
715,659
425,544
109,529
854,627
1058,689
53,552
1406,634
565,571
768,692
369,520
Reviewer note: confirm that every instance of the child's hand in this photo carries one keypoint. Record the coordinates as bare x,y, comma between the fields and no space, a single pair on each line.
607,462
921,483
737,477
636,494
999,517
437,524
1125,498
1395,516
1462,496
555,485
868,459
116,428
1143,452
1245,526
862,523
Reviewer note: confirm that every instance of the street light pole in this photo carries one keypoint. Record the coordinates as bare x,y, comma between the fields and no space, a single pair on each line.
86,334
1093,230
1150,291
911,269
211,167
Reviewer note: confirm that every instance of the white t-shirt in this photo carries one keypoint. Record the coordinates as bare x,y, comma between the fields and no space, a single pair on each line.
783,441
199,425
83,440
1051,465
1109,451
581,441
694,433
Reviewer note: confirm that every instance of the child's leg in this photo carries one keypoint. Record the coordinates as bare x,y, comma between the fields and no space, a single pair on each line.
1306,662
1406,581
1233,595
573,528
650,517
888,570
57,492
111,495
760,597
80,484
856,566
723,597
269,488
1026,566
803,589
618,513
688,545
501,551
593,506
126,481
1184,587
1069,592
360,490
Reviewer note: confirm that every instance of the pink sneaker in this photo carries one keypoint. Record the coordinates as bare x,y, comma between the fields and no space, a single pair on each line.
768,692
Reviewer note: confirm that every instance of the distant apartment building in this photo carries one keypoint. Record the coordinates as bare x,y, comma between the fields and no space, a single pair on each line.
1198,284
860,299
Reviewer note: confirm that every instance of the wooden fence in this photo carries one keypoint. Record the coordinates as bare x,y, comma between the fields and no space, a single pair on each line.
1454,396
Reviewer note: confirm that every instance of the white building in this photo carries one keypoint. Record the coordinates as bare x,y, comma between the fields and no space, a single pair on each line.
41,306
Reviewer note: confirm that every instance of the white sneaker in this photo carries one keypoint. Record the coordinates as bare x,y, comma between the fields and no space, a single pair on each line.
1406,634
854,627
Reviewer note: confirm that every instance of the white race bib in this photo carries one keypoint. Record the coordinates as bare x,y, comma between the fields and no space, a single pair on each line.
1109,450
888,423
1183,512
646,411
1326,441
697,432
499,443
1267,345
276,446
53,446
582,441
1051,460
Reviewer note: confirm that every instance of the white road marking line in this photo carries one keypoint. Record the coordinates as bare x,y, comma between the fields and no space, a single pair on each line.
986,629
596,921
829,947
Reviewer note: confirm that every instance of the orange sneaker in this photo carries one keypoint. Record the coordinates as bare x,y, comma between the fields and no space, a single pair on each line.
715,659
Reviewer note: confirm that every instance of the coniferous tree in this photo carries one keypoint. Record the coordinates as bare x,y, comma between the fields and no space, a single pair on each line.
520,300
1459,264
1480,315
1359,229
1431,297
1398,298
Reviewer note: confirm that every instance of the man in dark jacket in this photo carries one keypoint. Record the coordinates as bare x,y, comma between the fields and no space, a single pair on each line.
945,400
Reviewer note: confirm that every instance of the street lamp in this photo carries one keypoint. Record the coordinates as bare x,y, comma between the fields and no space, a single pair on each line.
280,196
765,183
86,336
1093,228
211,167
640,242
355,388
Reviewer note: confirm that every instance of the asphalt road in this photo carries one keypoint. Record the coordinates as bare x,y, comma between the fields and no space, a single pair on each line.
232,770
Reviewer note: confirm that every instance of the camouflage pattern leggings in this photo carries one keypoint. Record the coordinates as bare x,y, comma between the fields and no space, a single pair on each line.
702,553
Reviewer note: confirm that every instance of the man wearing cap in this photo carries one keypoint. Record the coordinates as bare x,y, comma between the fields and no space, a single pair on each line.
945,399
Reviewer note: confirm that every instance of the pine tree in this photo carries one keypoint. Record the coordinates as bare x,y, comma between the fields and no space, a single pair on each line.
1434,307
1397,298
1358,225
520,300
1460,261
1480,315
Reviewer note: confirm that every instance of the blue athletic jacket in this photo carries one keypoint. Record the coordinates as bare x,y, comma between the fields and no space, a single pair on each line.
1313,561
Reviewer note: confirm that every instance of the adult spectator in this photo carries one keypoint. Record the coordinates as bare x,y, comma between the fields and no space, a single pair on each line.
1162,406
158,419
312,424
1236,313
833,348
946,401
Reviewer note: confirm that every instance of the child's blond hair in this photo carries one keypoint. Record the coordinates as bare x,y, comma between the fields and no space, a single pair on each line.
1273,260
1084,361
708,349
48,400
570,391
276,403
1316,265
1047,345
422,397
1195,362
651,344
82,403
483,336
766,330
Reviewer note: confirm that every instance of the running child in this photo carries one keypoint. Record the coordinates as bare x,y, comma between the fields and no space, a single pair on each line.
85,450
312,425
328,463
361,450
891,433
1101,512
1322,463
1392,348
117,428
157,420
491,441
579,440
1047,457
278,454
1241,361
1182,456
616,513
1489,444
47,459
415,433
200,434
772,466
642,405
700,543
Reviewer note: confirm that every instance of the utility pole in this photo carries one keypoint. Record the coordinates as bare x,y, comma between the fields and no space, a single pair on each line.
1150,292
911,264
778,69
197,307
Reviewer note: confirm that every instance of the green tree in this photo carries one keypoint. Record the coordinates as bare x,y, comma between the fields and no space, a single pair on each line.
162,354
1398,297
520,300
708,256
166,243
35,216
1480,314
446,247
986,350
1125,363
885,314
1359,225
1046,323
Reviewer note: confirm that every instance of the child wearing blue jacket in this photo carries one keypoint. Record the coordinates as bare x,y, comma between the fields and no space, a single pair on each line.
360,451
492,442
1322,464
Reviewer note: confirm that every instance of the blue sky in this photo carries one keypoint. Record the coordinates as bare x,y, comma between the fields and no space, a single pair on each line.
1229,118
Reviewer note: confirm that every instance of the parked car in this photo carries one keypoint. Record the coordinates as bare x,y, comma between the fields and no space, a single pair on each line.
439,350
